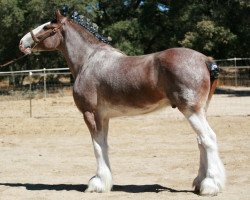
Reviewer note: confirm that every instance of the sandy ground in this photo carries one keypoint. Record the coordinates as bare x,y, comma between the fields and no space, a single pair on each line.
154,156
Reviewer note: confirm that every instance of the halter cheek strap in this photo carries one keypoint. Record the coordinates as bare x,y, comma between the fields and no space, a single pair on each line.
49,33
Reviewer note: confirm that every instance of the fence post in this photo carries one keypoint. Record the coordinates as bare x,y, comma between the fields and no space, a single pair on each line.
30,80
235,73
12,76
44,83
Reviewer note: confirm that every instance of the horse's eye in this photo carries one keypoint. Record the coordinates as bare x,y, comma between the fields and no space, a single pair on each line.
45,28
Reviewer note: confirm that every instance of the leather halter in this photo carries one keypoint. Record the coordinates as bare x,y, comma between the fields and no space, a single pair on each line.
47,34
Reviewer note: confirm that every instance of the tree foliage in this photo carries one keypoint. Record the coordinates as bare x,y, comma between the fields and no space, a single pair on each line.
215,27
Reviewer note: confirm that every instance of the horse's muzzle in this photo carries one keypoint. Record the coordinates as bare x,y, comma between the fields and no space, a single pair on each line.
25,50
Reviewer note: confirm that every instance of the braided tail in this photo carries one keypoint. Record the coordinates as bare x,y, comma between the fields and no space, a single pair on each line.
214,71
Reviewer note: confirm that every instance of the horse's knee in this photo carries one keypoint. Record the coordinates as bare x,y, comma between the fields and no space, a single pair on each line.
90,121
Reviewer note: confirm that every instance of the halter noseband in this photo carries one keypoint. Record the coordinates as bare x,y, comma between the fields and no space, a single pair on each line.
48,34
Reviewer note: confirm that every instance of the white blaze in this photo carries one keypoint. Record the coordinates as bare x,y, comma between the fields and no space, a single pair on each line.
27,40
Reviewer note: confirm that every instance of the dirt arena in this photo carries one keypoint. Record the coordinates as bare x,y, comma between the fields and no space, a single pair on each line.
154,156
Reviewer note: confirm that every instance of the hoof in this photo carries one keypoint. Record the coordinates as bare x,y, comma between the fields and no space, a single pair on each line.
97,185
209,187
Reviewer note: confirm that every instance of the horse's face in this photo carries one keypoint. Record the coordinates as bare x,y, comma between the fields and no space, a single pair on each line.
46,37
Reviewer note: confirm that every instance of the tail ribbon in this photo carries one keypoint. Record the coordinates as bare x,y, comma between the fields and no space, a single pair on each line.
213,69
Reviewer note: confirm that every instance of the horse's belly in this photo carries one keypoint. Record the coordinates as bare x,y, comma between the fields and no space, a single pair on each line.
123,110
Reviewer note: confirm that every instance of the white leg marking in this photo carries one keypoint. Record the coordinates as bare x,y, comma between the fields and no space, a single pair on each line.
211,176
202,169
102,181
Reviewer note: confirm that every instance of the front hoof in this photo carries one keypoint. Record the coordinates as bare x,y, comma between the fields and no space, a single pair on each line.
97,185
209,187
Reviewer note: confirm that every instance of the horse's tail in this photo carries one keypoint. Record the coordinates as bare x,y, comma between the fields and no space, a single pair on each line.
214,71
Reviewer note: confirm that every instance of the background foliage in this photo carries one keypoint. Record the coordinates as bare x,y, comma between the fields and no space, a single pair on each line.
219,28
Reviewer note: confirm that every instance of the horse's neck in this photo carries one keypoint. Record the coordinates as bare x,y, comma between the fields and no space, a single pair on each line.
79,44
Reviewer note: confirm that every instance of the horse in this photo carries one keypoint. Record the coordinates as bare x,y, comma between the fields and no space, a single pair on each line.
108,83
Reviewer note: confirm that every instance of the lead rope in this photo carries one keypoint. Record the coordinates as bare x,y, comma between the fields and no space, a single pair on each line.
13,61
19,58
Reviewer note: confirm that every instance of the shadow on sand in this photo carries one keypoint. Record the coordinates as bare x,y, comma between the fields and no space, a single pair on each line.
232,92
82,187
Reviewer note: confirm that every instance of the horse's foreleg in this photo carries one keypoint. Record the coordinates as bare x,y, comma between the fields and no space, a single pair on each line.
211,175
102,181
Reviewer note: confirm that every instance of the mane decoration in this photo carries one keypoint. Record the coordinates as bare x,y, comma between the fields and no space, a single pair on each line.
86,23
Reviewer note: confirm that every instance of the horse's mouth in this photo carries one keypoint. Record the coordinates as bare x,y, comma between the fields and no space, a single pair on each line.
25,50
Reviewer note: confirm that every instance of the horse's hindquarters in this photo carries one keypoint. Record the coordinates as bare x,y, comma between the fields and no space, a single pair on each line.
185,76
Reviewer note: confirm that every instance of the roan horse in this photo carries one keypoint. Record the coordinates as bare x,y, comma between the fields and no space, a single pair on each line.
109,84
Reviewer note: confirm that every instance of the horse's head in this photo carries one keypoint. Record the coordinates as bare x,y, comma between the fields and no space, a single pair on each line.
46,37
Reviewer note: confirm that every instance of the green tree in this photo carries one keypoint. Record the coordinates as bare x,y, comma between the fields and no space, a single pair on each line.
218,28
214,27
208,38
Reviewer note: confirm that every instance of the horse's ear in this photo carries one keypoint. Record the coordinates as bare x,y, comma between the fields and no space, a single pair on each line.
58,15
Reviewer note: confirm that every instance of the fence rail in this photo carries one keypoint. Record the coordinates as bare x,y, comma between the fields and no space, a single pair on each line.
36,81
44,70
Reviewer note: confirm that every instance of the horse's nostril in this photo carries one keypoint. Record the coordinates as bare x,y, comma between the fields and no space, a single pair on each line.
21,45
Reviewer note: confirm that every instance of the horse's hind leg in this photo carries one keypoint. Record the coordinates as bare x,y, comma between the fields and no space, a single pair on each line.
102,181
211,175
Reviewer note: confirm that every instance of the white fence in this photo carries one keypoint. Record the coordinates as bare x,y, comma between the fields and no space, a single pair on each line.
30,86
38,83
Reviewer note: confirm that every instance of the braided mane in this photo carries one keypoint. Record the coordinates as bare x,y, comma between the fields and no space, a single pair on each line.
87,24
